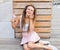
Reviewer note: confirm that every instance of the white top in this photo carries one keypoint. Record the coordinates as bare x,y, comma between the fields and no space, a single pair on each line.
25,28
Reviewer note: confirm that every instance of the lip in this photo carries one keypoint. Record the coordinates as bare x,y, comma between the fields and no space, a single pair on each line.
28,12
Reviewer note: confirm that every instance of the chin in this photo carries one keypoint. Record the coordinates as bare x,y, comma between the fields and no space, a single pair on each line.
28,14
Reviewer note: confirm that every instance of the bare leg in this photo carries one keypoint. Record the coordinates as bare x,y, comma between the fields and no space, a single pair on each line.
38,45
26,47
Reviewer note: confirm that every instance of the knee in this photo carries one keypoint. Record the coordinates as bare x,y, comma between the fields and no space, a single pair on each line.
30,45
25,47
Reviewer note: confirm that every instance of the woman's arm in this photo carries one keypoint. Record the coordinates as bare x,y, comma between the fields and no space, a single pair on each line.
15,21
31,28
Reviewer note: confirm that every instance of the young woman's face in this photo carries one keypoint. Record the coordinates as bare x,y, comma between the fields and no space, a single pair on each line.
29,11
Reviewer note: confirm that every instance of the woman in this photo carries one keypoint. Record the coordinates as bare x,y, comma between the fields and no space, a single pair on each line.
29,36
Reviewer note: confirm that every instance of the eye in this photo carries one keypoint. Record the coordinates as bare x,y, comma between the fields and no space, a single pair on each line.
28,9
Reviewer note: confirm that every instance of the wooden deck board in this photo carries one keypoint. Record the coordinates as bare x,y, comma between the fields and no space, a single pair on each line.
14,44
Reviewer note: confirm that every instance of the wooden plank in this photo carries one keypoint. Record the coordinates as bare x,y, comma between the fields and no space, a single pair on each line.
36,29
43,30
42,23
44,35
39,11
17,30
42,20
18,35
44,11
41,0
43,17
18,11
32,0
42,26
36,4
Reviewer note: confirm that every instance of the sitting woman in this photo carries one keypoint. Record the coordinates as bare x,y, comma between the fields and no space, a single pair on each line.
30,38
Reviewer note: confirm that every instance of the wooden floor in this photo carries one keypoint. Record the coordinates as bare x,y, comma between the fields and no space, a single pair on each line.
14,44
10,44
55,39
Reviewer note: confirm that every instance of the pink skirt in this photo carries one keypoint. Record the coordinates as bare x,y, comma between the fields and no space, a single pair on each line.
33,37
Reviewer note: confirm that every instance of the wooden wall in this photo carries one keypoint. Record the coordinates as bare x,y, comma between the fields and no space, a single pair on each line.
43,18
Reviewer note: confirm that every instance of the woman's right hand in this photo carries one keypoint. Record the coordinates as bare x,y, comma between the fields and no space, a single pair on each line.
13,23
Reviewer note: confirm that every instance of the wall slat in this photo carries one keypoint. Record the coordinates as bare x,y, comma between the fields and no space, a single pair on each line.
42,23
32,0
43,30
40,30
43,17
18,35
37,5
39,11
